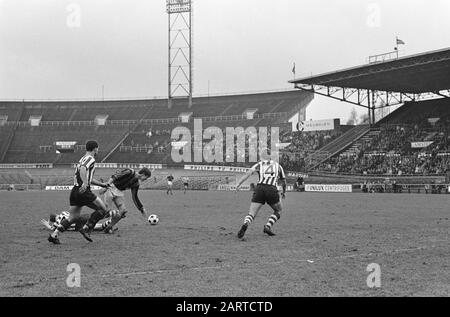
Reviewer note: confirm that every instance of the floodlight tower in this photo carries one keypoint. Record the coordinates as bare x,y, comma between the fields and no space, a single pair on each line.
180,50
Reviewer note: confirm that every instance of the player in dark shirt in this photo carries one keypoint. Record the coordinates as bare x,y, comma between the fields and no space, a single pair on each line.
114,195
170,179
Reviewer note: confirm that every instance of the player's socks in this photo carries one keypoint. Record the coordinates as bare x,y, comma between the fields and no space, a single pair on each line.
64,225
272,220
111,223
249,219
106,224
95,217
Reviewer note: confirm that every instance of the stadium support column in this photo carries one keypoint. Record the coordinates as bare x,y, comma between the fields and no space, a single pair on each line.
368,107
180,50
373,108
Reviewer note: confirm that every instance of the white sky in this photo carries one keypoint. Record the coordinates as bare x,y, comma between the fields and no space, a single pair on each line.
239,45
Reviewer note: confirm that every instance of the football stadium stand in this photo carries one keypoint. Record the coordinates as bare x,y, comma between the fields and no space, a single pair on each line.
412,140
130,130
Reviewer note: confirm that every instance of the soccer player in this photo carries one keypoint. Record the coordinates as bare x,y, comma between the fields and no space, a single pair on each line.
266,191
55,220
170,184
81,195
185,184
114,195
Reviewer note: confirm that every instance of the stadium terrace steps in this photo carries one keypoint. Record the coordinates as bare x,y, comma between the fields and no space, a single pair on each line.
337,146
11,109
25,146
356,147
6,136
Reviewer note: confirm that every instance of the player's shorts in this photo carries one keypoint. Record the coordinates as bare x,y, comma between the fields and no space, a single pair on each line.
169,183
266,194
186,185
112,192
81,199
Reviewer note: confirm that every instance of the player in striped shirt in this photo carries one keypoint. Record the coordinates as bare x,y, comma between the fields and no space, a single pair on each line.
81,195
266,191
55,220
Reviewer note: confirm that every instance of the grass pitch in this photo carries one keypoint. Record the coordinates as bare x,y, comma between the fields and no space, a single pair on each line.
323,247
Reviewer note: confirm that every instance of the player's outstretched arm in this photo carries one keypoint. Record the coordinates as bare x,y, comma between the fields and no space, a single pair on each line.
136,200
98,183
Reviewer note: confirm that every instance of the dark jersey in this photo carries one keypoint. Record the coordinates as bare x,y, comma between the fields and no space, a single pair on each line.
128,179
88,161
125,179
170,178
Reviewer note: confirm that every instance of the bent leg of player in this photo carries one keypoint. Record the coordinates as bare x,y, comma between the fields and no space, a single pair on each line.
116,217
81,221
102,226
277,208
84,219
254,209
108,199
100,212
74,212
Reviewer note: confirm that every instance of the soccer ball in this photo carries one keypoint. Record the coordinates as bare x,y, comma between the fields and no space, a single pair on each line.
153,219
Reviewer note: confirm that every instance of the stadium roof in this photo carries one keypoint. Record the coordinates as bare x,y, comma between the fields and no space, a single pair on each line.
416,74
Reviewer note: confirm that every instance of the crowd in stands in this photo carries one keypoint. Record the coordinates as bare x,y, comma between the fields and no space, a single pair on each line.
392,153
302,144
150,140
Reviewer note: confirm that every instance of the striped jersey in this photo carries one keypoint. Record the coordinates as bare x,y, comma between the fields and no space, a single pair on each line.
269,172
87,161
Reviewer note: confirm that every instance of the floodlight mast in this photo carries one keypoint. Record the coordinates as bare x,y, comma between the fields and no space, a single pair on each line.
180,50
